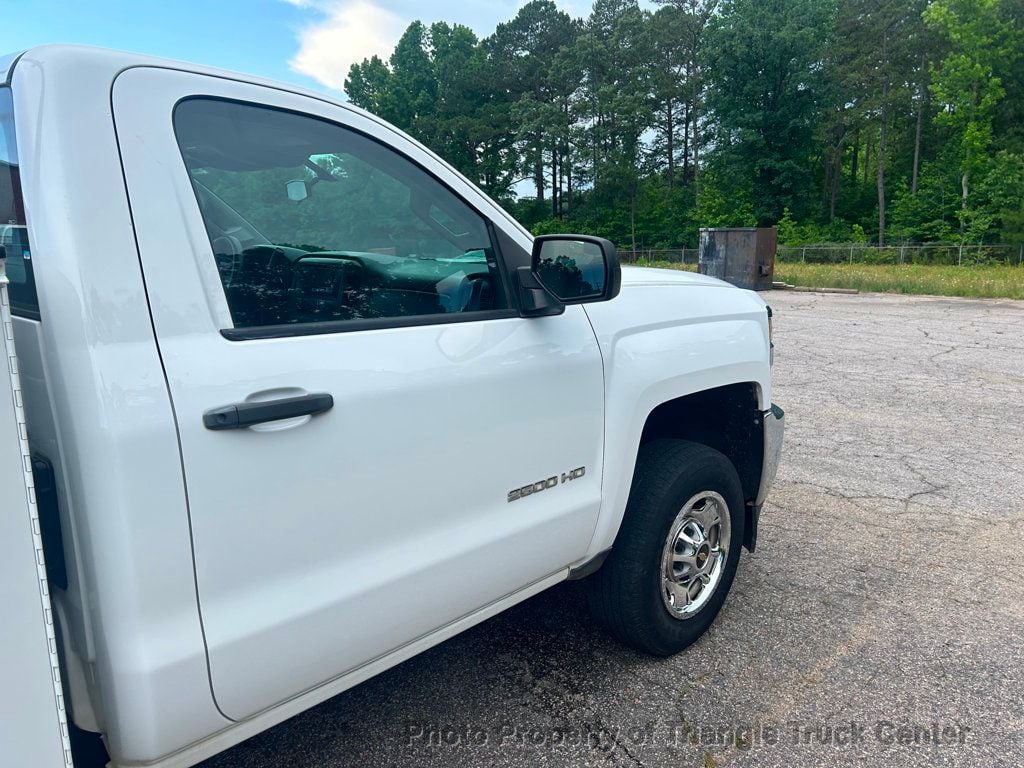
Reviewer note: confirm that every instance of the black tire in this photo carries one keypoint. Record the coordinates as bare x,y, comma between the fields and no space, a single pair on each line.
625,595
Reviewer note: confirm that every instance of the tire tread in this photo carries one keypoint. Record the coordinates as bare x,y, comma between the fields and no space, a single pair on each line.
613,589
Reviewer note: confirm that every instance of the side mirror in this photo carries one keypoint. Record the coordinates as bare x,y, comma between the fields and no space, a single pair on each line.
535,300
298,190
577,269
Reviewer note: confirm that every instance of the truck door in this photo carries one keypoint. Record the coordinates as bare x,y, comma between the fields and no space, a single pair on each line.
356,395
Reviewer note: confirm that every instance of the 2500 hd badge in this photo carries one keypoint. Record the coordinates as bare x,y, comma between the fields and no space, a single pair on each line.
543,485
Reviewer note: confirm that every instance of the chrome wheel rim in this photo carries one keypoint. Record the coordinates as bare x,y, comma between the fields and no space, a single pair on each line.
693,559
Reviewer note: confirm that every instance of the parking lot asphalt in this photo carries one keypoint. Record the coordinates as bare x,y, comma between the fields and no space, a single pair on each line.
880,622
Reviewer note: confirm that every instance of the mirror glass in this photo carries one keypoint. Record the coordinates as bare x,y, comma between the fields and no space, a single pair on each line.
297,190
572,269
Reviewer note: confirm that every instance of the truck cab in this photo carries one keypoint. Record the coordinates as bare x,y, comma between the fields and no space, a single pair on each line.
308,402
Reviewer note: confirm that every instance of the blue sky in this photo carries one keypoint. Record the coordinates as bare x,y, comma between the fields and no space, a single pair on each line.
307,42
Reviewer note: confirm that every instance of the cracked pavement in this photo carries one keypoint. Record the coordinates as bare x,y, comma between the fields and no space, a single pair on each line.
885,602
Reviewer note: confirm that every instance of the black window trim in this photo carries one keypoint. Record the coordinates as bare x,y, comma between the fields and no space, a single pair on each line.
10,70
291,330
26,314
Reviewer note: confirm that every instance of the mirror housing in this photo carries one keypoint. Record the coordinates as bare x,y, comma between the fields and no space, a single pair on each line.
577,269
534,299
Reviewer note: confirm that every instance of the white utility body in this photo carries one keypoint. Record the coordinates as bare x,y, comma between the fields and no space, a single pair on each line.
303,401
33,722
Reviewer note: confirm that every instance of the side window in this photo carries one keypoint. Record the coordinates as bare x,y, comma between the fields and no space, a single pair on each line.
311,222
13,232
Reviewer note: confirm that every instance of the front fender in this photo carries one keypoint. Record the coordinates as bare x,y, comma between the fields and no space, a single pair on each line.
660,342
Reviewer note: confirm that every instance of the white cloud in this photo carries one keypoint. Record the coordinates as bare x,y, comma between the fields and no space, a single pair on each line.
342,32
347,32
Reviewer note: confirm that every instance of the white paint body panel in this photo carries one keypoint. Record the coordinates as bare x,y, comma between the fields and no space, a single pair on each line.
667,335
33,726
132,600
315,556
324,545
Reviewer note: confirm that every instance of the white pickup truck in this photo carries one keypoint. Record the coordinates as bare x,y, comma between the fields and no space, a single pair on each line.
303,402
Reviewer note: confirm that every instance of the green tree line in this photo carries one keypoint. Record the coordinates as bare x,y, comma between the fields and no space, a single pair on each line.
839,120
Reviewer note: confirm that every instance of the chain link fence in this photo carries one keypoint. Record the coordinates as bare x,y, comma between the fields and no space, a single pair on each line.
930,253
851,253
648,256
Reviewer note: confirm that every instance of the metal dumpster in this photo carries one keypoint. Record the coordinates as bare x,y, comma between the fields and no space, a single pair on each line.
743,256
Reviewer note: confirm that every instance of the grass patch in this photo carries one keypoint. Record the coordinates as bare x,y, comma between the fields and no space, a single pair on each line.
664,265
989,282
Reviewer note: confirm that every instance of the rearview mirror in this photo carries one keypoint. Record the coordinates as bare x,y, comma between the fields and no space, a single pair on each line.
577,268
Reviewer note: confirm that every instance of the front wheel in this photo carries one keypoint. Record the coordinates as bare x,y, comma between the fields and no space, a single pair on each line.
677,550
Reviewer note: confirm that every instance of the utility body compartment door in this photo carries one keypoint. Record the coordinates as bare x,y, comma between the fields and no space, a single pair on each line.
325,541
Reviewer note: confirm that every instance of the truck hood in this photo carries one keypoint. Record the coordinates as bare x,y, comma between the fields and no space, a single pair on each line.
664,277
